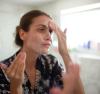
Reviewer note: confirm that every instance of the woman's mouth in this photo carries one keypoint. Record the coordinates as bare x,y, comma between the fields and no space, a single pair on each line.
47,45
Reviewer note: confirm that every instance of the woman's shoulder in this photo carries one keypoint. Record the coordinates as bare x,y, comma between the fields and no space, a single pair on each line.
8,60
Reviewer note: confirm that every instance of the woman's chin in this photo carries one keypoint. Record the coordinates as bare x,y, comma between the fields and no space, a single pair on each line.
44,52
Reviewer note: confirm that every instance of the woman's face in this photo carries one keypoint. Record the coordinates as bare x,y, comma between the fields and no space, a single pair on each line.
38,38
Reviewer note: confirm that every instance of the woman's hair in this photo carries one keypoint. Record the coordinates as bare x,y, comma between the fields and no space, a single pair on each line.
25,22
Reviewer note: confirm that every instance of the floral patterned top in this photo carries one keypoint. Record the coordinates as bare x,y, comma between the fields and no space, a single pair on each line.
48,74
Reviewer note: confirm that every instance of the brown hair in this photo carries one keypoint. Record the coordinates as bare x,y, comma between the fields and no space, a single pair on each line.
25,22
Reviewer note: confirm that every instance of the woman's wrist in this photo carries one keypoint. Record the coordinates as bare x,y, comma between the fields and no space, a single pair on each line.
16,89
66,58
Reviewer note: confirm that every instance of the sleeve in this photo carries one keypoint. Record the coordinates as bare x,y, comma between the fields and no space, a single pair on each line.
56,74
4,84
4,81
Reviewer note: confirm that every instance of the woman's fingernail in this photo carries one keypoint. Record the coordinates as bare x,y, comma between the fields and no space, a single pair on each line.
3,66
23,56
65,30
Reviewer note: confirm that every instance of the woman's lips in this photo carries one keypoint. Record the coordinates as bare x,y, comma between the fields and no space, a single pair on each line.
46,45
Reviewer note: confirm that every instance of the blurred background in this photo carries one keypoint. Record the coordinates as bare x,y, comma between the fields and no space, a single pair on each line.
82,19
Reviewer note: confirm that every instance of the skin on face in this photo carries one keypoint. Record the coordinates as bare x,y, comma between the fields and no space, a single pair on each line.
38,38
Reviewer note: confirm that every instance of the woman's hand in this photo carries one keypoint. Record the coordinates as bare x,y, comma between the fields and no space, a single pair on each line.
62,46
70,78
15,72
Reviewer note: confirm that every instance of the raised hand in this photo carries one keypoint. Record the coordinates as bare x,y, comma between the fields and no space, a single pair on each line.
62,46
15,72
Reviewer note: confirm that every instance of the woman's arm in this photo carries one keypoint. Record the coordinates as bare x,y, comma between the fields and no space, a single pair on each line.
15,73
14,90
63,50
71,78
79,86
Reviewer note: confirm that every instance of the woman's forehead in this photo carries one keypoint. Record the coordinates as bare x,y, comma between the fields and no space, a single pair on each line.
41,20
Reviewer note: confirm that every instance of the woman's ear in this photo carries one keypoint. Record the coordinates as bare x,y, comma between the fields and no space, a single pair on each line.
22,34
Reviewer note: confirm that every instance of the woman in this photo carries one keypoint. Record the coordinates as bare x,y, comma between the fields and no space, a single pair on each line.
31,70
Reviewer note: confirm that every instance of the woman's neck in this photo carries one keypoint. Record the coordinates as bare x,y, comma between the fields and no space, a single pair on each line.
30,58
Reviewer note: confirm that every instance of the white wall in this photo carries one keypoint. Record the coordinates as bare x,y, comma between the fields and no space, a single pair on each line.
90,73
55,8
9,19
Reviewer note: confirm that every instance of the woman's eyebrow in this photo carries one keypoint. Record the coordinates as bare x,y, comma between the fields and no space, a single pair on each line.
42,25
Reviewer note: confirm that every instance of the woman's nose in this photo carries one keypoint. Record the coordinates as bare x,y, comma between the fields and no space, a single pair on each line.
48,35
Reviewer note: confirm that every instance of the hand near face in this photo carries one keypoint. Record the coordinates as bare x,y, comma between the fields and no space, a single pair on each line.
62,46
15,72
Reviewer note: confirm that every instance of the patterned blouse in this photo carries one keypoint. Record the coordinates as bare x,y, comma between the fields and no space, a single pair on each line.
48,74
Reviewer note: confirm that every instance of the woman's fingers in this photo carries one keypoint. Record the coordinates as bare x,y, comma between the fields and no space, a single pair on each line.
21,67
71,77
73,73
3,66
62,47
65,31
53,26
11,71
13,64
73,69
19,76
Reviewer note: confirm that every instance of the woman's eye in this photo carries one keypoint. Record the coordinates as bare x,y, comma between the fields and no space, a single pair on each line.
41,29
45,30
